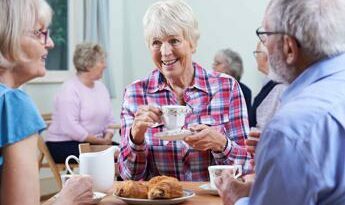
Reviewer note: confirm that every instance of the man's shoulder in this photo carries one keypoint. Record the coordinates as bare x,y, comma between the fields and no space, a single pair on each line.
301,114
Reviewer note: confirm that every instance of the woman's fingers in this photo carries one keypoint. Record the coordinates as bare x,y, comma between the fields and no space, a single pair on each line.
148,114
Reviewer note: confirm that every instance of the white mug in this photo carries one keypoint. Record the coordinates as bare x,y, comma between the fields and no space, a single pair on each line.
99,166
216,170
174,116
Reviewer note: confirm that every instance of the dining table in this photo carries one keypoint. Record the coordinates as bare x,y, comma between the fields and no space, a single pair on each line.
201,196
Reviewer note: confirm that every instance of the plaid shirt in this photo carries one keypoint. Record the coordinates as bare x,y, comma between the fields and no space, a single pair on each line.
215,100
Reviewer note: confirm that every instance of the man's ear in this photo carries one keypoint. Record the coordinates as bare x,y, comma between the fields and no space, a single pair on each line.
290,49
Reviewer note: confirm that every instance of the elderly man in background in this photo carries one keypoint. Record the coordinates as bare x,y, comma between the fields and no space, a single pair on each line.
230,62
300,156
266,102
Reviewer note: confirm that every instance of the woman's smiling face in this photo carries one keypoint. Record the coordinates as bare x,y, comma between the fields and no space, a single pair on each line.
172,54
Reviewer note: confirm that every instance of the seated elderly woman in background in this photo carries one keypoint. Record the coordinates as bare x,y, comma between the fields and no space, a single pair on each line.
82,108
230,62
218,113
25,41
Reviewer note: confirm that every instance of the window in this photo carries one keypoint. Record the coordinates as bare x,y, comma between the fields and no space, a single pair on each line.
58,56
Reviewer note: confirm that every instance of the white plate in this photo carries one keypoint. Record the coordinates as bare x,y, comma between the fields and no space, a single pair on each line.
208,189
186,195
173,134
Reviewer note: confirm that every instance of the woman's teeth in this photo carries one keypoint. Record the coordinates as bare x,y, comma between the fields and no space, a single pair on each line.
169,62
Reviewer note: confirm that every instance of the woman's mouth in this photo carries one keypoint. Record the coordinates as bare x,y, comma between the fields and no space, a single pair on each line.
169,62
44,58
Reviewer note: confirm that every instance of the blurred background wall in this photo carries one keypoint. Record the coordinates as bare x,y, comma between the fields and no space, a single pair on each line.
223,23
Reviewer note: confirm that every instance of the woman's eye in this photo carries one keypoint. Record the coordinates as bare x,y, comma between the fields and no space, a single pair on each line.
174,41
156,44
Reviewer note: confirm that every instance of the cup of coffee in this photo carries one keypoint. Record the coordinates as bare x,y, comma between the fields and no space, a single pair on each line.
217,170
174,116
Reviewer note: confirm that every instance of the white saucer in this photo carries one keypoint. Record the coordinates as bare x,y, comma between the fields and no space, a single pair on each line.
171,135
97,197
208,189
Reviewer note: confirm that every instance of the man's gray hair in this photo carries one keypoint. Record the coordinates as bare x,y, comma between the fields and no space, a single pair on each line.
234,61
170,18
318,25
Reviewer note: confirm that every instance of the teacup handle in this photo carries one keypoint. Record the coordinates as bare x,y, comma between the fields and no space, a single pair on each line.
67,165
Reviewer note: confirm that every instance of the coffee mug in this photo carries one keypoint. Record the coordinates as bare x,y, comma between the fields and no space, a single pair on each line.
98,165
174,116
216,170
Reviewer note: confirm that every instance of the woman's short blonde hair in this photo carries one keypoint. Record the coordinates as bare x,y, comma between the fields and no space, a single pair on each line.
17,17
87,55
45,13
171,17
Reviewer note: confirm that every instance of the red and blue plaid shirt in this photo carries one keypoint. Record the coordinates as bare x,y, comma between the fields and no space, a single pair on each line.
215,100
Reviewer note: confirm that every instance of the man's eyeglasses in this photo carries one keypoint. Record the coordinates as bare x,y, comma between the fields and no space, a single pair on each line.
42,36
262,35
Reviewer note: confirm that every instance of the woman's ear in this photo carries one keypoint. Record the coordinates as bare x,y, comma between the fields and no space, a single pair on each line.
193,47
290,49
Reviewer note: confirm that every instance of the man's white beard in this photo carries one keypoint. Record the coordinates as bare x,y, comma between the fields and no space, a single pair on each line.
272,75
278,70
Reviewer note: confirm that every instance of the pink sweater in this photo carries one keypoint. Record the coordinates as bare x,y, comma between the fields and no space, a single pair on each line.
80,111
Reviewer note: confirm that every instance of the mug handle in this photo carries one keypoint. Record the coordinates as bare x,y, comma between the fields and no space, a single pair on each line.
67,165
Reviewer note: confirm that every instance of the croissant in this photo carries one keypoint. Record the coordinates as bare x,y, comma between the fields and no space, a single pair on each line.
163,187
153,181
131,189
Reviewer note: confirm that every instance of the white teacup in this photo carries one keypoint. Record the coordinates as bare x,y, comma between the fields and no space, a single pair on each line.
174,116
216,170
98,165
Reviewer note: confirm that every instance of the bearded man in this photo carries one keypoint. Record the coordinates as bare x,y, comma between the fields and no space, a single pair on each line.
300,156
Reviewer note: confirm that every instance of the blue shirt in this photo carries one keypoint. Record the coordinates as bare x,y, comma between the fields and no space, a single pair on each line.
301,154
19,117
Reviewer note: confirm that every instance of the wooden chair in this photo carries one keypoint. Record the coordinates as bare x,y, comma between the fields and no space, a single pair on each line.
49,162
87,147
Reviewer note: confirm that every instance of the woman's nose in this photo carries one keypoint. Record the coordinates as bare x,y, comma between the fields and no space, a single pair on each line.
166,49
50,43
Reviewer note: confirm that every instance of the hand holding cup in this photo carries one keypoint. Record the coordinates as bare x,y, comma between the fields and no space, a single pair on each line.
146,116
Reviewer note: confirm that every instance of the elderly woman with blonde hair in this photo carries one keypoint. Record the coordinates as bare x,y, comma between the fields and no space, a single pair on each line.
82,108
24,43
218,116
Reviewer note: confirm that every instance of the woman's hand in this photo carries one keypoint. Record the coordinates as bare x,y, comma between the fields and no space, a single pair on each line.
206,138
92,139
145,117
77,190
